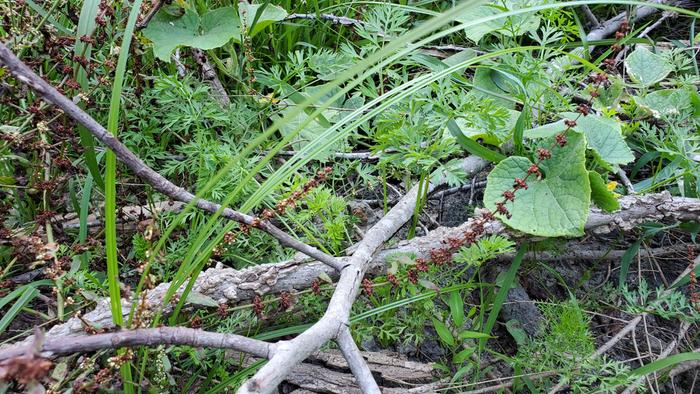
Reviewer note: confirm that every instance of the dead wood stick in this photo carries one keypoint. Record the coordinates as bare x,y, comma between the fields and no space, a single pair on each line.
209,75
140,169
144,337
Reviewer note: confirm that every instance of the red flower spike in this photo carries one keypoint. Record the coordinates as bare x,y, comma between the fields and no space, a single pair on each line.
543,153
367,286
509,195
412,276
561,140
488,216
258,306
619,35
520,183
316,287
570,123
391,278
501,208
285,300
583,109
421,265
594,93
73,84
87,39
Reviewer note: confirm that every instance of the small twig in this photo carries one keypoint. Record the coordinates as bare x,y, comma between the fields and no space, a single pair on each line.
147,19
209,75
669,349
181,70
625,181
338,20
589,14
626,330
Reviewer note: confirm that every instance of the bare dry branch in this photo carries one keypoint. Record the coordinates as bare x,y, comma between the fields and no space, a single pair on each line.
144,337
356,362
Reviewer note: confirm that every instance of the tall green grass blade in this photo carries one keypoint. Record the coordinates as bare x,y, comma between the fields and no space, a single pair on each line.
508,281
110,185
41,11
86,26
658,365
84,212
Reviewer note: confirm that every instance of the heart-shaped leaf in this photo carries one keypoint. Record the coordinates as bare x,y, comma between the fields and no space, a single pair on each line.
211,30
557,204
603,136
645,67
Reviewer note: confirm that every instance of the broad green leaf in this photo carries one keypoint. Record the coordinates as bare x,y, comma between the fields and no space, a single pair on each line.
645,67
456,308
212,30
601,195
485,85
515,329
473,335
666,102
270,14
492,137
516,25
554,206
463,355
443,332
604,137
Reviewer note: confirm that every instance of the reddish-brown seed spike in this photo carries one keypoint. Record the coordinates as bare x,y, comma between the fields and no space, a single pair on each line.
391,278
519,184
267,214
561,140
570,123
421,265
87,39
509,195
258,306
222,311
583,109
196,322
367,286
316,287
285,300
73,84
594,93
616,47
412,275
67,69
619,35
501,208
543,153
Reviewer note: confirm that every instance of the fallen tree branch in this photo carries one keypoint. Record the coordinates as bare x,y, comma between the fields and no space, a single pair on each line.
336,318
356,362
228,285
143,337
140,169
